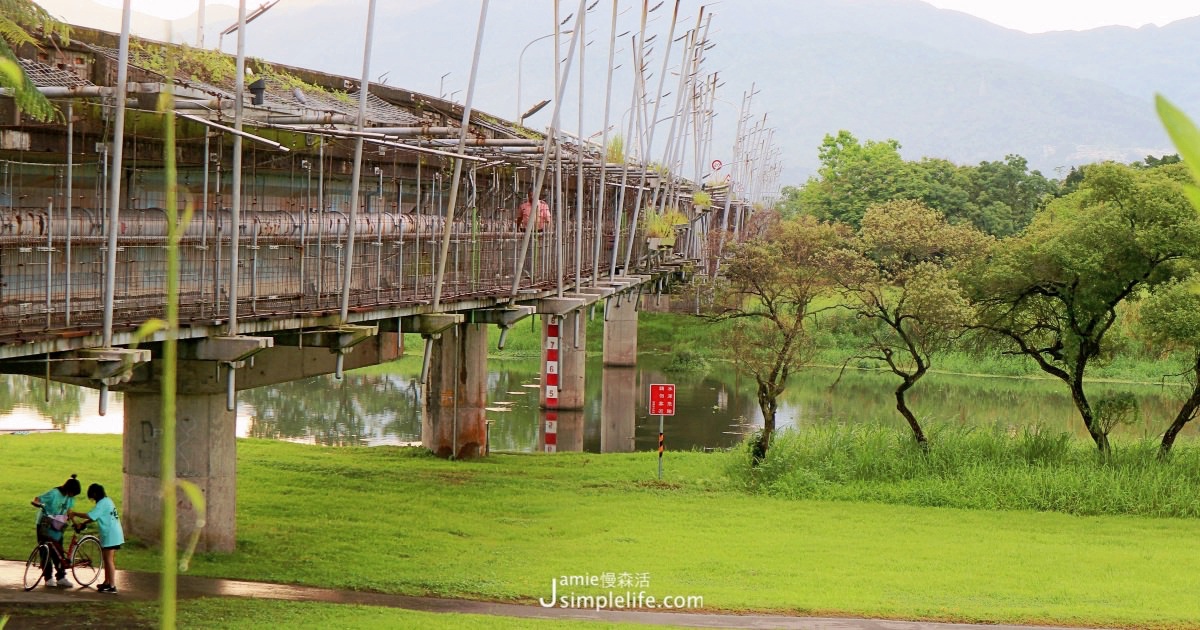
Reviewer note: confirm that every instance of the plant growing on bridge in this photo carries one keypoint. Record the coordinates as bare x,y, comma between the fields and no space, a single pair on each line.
200,64
18,20
766,291
1052,293
896,279
662,225
614,153
214,66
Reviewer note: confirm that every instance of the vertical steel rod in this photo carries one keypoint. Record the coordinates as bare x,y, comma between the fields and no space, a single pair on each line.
540,180
462,147
579,173
70,191
110,258
235,228
620,205
356,174
662,75
320,217
560,85
599,228
49,261
204,214
235,214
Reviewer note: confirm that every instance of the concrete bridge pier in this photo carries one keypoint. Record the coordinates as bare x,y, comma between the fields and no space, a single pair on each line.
620,330
564,343
454,424
205,439
205,455
205,444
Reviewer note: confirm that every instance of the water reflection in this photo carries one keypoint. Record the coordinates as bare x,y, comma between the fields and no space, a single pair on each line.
28,404
382,405
359,410
618,417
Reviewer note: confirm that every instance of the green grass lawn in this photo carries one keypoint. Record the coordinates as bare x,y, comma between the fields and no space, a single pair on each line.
391,520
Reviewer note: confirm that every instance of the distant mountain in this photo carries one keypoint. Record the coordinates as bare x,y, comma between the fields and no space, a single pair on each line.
950,85
943,83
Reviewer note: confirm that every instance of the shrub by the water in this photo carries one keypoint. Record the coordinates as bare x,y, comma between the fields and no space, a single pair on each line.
1030,469
686,359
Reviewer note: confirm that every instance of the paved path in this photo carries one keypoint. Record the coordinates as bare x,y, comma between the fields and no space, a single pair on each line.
144,586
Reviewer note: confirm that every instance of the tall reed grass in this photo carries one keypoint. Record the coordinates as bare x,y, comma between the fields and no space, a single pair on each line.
1031,469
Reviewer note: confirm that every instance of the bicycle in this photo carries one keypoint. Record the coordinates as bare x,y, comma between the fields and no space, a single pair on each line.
83,557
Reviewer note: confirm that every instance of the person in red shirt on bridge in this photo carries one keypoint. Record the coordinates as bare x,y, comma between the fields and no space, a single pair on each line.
543,218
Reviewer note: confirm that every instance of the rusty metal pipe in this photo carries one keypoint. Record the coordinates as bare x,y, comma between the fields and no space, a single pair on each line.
90,91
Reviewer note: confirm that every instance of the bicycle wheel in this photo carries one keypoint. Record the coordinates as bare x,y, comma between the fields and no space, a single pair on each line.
86,561
33,566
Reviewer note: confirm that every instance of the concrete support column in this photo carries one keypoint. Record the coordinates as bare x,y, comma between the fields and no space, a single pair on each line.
618,415
205,454
454,424
564,340
620,331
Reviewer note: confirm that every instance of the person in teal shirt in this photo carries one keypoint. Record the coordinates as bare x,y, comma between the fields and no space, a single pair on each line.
111,535
55,502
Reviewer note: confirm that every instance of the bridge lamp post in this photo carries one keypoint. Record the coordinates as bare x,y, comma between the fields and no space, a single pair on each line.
521,114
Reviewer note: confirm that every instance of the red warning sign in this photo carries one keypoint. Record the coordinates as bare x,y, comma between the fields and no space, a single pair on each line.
662,400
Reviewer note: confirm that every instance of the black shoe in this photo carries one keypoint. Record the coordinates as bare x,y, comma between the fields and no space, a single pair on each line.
106,588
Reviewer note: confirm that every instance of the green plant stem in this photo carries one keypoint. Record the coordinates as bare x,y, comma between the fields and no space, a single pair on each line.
170,361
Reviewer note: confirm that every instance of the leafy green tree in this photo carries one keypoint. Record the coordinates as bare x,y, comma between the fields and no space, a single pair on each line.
999,198
896,279
19,19
788,205
767,289
1005,195
1072,181
852,177
1170,315
1170,318
942,185
1052,292
1154,162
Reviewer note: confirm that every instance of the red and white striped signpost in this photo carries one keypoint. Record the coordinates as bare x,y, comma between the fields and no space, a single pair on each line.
662,403
551,384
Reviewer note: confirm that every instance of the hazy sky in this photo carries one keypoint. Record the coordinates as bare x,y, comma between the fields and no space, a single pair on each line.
1032,16
1035,16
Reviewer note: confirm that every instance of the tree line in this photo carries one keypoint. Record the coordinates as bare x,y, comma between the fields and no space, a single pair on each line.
927,255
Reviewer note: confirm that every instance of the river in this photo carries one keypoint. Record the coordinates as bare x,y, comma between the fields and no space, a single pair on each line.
381,405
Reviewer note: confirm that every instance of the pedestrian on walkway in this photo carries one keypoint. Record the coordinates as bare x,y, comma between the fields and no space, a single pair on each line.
55,502
111,534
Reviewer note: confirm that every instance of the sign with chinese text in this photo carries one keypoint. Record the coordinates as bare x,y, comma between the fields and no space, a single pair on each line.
662,400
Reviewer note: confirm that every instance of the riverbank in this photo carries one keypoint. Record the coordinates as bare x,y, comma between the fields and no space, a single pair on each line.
671,333
504,527
690,341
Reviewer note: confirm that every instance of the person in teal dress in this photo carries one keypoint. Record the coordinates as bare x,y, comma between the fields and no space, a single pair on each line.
111,535
54,502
